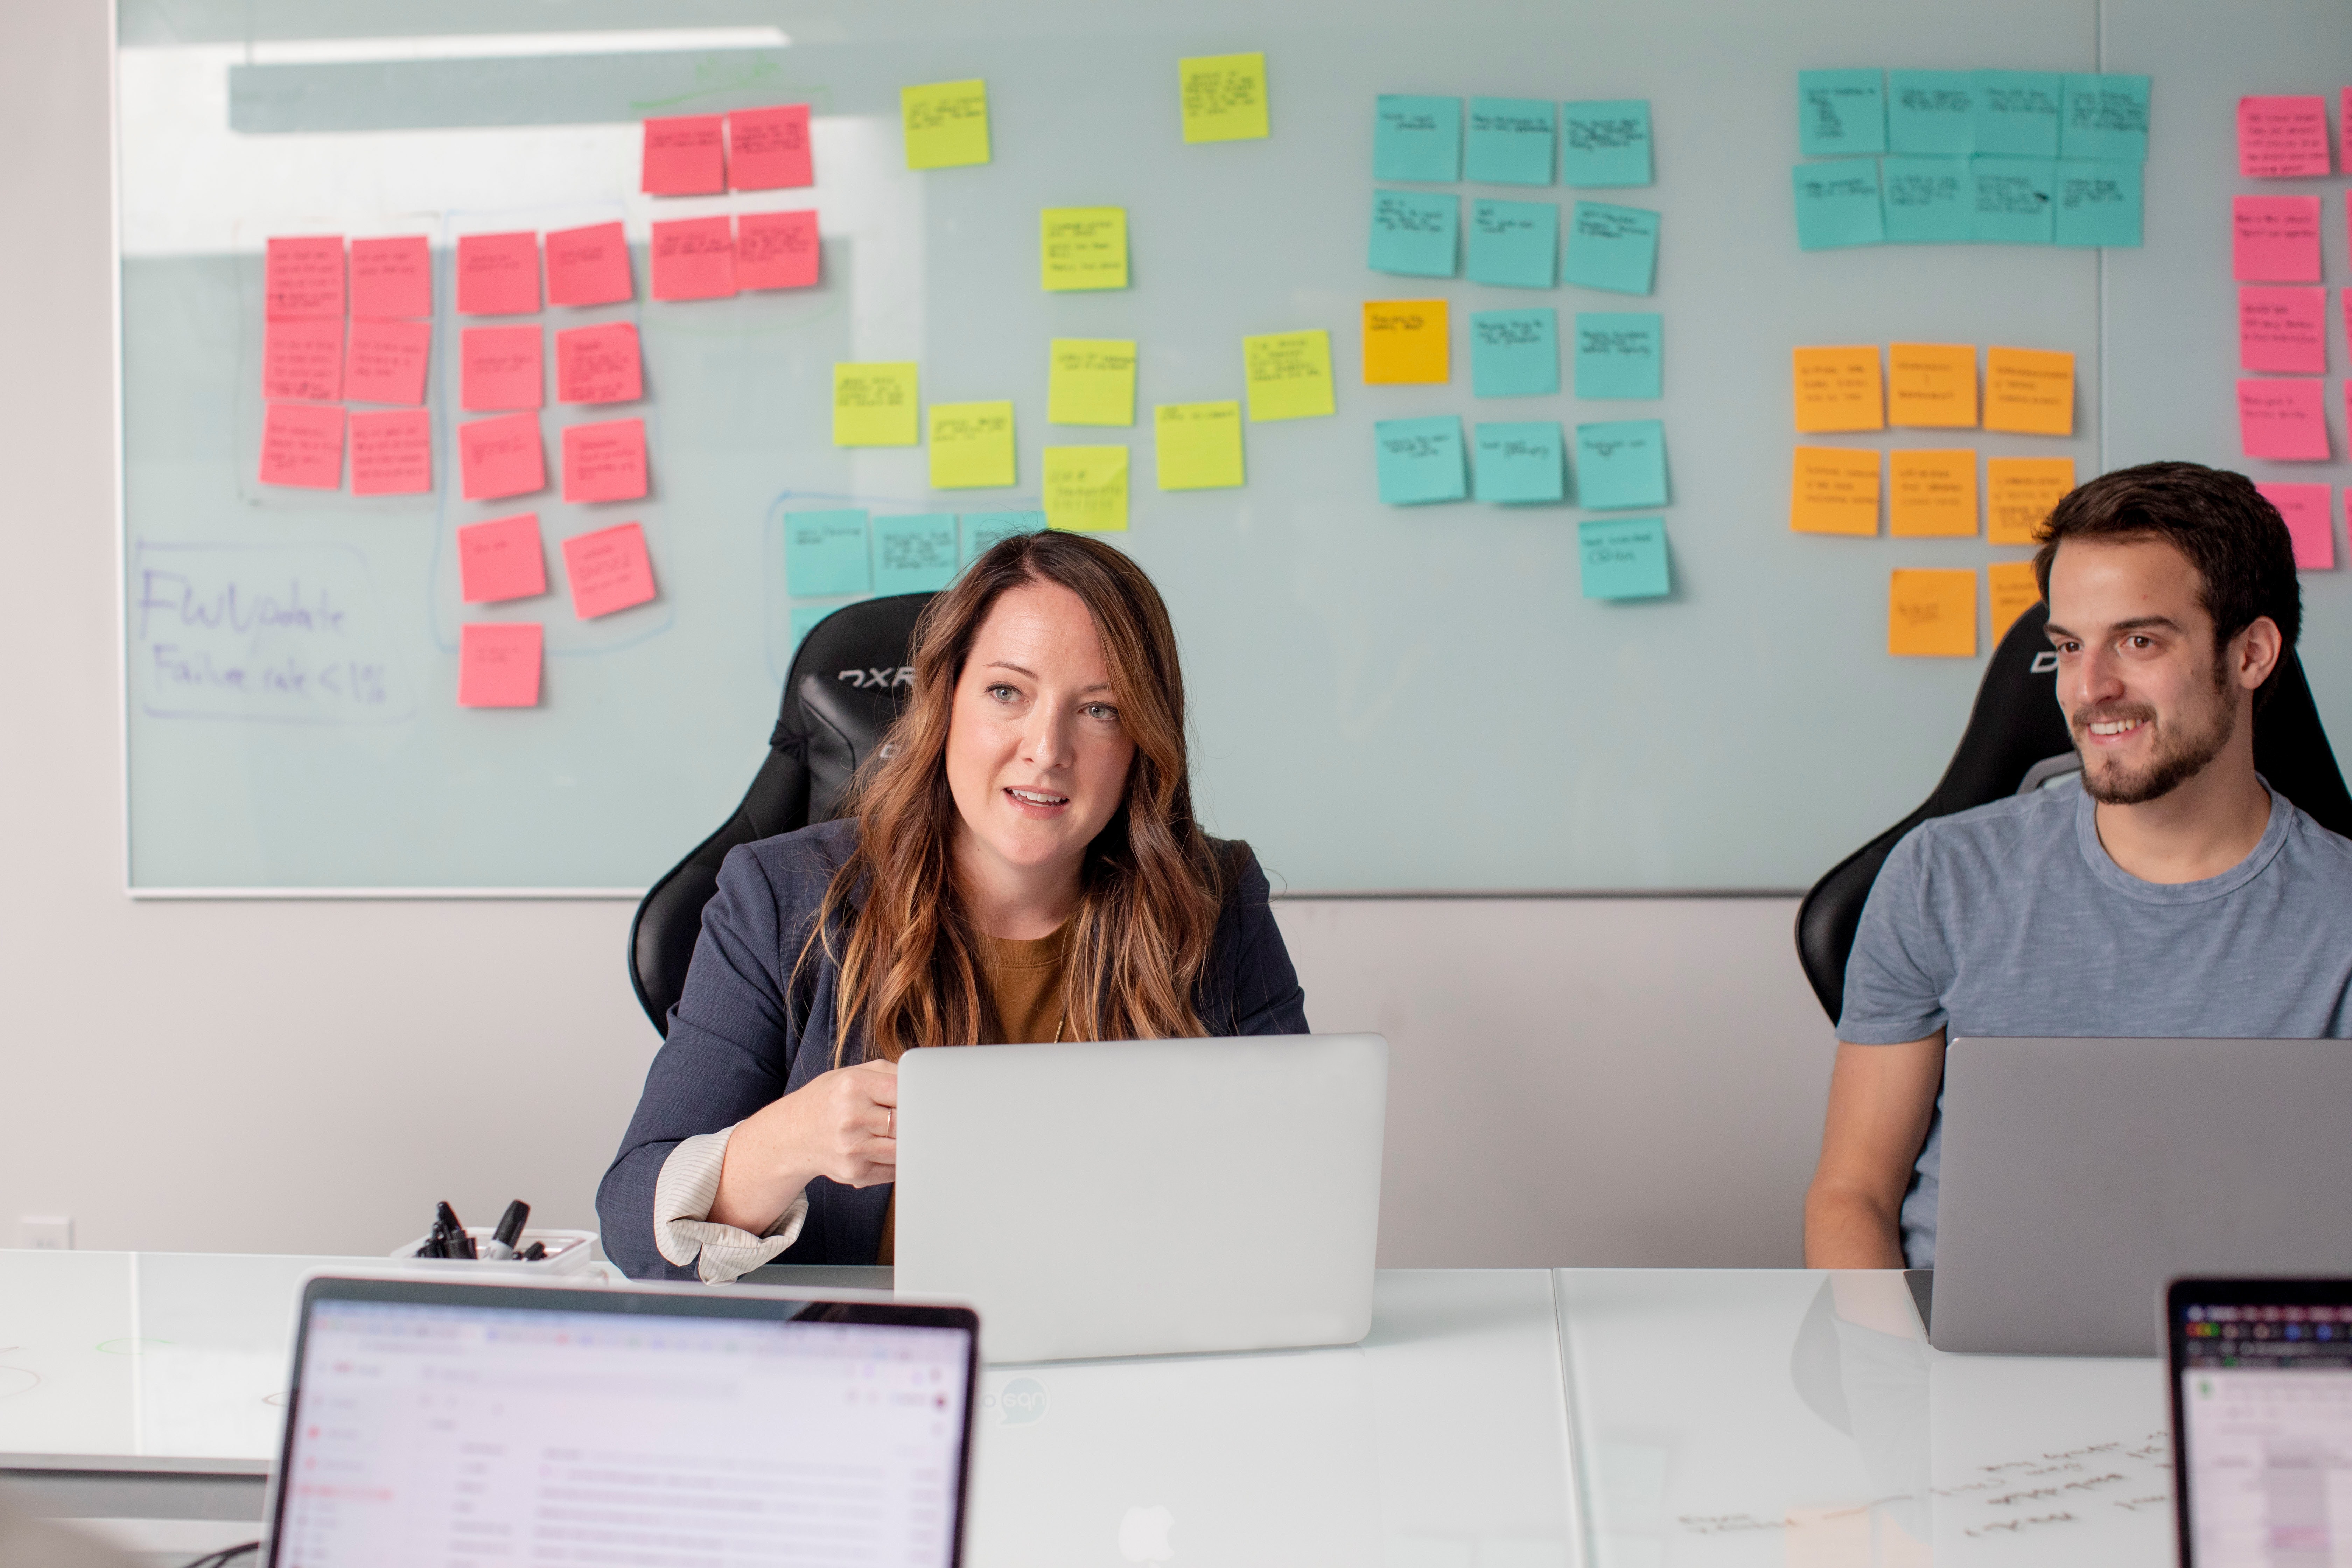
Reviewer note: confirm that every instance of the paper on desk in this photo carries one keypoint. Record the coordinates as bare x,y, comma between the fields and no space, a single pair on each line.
874,405
1835,489
1085,489
1931,493
1091,381
608,570
972,446
1224,97
1514,353
605,461
497,664
1405,343
1198,445
501,559
391,452
2306,509
1932,613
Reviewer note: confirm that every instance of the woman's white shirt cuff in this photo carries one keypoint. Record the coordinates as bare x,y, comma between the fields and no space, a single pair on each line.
684,1231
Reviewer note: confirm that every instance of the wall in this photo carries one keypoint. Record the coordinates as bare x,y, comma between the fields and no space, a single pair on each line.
1577,1081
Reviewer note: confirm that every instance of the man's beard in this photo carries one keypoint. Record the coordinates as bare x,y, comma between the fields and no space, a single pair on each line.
2176,754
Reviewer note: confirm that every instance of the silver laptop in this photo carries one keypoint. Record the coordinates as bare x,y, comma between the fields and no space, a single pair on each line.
1139,1198
2080,1176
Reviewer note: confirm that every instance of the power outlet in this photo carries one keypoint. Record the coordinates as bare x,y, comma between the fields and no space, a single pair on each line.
45,1233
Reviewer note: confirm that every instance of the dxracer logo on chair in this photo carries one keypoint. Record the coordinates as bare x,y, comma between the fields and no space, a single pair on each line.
867,679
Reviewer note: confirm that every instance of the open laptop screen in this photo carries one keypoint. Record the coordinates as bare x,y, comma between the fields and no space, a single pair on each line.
494,1431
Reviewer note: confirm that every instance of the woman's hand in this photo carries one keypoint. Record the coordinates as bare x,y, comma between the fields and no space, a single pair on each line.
842,1125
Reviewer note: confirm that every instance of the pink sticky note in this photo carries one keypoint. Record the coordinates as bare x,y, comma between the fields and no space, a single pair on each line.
684,156
2280,418
390,278
694,258
2282,328
588,266
497,664
501,367
386,363
767,148
2305,507
608,570
2276,239
2344,129
303,360
302,444
501,559
598,364
776,250
303,277
604,461
2281,137
497,274
391,453
502,457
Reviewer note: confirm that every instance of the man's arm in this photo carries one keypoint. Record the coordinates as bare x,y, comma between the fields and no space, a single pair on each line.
1881,1097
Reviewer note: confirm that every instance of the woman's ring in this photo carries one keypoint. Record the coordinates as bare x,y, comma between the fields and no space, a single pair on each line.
890,1123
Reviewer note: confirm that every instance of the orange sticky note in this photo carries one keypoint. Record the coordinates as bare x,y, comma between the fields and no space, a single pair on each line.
1405,343
497,664
391,452
1932,385
609,570
1932,613
2020,492
500,558
1932,494
2030,390
604,461
1835,490
2010,586
1839,389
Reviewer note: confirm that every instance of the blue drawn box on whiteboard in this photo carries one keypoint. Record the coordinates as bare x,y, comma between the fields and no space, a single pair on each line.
1513,245
914,554
1416,138
1414,234
1928,201
2098,204
1522,464
982,529
1514,353
1624,558
1420,461
2015,200
1837,205
2105,117
824,553
1605,143
2017,113
1510,141
1840,113
1621,464
1931,114
1620,353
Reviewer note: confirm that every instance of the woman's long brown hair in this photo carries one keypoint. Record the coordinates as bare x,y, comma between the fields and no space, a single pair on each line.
894,917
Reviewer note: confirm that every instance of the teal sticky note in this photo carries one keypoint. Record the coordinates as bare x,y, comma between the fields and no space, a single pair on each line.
1416,138
1610,248
982,529
824,552
1514,244
1420,461
1413,233
804,619
1837,205
1522,465
915,554
1931,114
1621,464
1619,353
2098,204
1605,143
1514,353
2017,113
1510,141
1624,558
2105,117
2013,200
1928,201
1841,113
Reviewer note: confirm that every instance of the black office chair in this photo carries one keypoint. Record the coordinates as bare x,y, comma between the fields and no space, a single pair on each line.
847,683
2016,738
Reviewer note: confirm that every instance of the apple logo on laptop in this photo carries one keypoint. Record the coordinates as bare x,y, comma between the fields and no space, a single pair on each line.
1143,1535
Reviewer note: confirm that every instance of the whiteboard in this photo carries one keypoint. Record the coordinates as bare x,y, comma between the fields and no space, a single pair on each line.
1383,699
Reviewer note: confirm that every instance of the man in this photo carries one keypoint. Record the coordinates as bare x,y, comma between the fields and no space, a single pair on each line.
2171,894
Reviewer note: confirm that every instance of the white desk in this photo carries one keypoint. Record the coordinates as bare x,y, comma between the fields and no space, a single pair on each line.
1718,1418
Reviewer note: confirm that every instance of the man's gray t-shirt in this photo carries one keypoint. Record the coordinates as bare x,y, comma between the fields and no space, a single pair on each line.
2012,921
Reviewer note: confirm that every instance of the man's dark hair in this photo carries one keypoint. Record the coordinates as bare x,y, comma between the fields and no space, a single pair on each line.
2233,536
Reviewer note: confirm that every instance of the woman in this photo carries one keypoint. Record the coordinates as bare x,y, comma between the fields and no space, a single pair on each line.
1018,863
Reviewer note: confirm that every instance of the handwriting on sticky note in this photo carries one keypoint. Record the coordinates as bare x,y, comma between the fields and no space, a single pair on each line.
1837,204
2274,239
1198,445
1841,111
1091,381
1621,463
589,265
501,367
972,446
2018,494
1929,201
2282,138
390,278
694,258
946,124
1932,613
1513,245
302,278
1405,343
767,148
1420,461
824,553
776,250
1514,353
1085,489
1084,247
1520,463
1510,141
874,405
1931,493
1835,489
1839,389
2029,391
2306,510
391,453
385,363
914,554
501,559
303,360
2013,590
302,445
1620,354
1932,385
1611,248
1414,234
685,155
497,664
2283,330
1287,374
2098,204
501,458
605,461
1416,138
1605,143
1225,97
1624,558
497,274
608,570
2105,116
2282,419
598,364
984,529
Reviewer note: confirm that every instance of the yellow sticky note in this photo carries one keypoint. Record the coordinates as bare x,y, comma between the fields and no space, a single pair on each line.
2030,390
947,125
2013,590
972,446
1838,389
1085,247
1932,494
873,406
1085,489
1200,445
2018,494
1225,97
1932,613
1932,385
1835,490
1288,375
1091,382
1404,342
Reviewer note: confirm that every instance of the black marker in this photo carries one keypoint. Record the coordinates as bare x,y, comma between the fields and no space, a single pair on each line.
501,1245
459,1244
